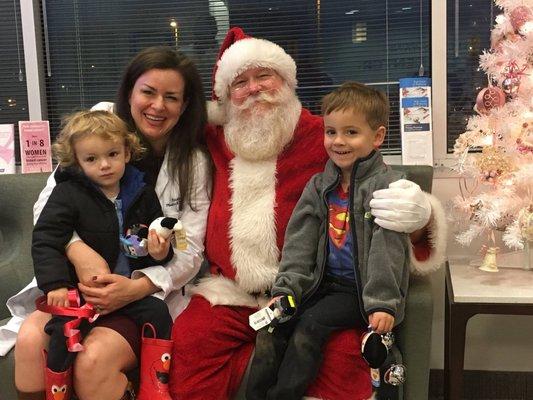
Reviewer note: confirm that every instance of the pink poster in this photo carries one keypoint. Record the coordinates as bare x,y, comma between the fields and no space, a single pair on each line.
35,153
7,149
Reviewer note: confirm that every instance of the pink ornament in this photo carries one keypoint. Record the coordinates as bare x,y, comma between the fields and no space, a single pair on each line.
519,16
513,37
510,86
489,98
522,147
524,144
497,41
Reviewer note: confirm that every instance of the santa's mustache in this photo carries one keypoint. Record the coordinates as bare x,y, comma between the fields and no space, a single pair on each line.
264,97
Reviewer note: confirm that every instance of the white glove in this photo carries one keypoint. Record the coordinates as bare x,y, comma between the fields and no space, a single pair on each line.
403,207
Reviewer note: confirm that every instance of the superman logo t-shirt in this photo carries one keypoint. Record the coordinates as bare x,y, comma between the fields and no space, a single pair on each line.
340,241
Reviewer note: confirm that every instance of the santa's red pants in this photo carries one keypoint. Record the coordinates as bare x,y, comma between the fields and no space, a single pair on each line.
213,344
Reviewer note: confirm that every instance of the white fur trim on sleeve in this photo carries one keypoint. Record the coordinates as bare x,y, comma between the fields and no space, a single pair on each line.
437,232
216,113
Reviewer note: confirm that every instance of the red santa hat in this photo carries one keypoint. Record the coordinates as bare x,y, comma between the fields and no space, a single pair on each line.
238,53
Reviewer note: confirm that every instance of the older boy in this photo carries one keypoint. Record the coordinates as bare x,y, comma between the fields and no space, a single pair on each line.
343,269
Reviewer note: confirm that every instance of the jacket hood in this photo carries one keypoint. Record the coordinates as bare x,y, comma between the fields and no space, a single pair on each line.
131,184
64,174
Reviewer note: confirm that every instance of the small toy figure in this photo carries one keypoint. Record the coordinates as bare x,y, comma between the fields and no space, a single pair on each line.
281,310
135,243
374,348
390,376
384,359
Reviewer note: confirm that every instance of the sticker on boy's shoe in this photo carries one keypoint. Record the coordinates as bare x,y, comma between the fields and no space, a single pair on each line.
261,318
374,376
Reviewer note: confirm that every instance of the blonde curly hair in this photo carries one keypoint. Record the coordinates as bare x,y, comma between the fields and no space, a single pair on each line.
104,124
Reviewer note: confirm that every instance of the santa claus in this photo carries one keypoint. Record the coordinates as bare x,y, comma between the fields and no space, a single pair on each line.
265,147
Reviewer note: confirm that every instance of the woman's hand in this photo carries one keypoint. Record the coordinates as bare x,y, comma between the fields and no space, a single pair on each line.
116,291
157,246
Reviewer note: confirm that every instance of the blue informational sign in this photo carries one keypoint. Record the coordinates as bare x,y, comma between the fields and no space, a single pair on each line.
415,120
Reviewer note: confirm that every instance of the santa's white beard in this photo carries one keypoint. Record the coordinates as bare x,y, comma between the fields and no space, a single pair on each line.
255,132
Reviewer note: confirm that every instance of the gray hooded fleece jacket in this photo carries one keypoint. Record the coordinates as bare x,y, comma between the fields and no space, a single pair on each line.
381,256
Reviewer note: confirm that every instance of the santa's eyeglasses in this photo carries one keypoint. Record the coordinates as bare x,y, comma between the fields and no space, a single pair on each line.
264,83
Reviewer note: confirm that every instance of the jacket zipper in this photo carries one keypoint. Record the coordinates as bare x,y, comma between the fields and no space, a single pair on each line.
317,282
355,252
127,212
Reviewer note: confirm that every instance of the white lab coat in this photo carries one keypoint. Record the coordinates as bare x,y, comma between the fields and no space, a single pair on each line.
171,277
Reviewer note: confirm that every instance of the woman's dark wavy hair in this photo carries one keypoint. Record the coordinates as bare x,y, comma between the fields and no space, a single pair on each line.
188,134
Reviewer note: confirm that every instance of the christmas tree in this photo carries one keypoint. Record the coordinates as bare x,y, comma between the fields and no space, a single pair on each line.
496,151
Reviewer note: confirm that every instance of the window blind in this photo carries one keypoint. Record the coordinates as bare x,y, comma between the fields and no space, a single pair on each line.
13,96
468,29
375,42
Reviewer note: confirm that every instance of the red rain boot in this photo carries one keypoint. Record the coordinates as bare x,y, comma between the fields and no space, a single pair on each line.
155,366
57,385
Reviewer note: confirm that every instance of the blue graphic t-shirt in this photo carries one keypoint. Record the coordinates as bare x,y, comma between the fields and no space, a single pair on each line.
340,240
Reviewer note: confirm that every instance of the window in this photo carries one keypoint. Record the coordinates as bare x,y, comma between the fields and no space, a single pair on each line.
468,25
13,96
375,42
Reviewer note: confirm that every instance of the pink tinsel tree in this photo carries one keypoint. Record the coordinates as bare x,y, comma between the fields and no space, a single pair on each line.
495,154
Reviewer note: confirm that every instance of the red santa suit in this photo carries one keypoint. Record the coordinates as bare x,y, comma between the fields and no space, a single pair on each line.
250,207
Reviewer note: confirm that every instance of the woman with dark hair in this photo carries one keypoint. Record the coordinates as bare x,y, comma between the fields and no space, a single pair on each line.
161,99
184,134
